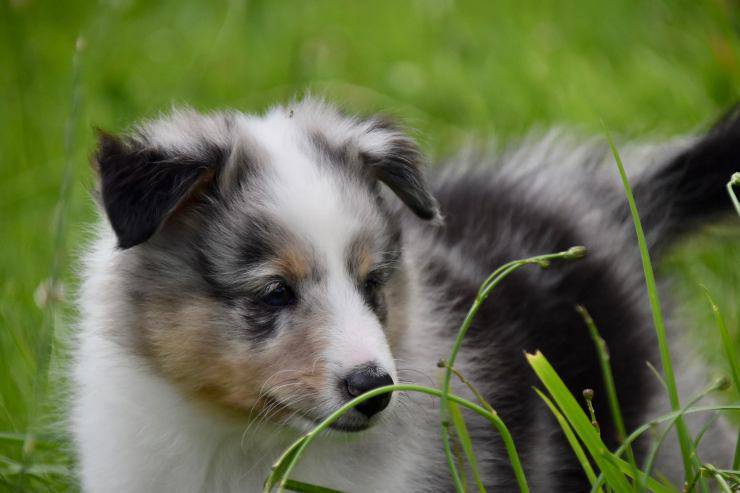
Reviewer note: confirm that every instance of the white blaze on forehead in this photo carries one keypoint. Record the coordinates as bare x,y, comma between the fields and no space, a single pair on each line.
309,200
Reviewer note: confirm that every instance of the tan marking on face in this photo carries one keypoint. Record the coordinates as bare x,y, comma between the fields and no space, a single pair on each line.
293,262
360,258
192,343
364,261
397,317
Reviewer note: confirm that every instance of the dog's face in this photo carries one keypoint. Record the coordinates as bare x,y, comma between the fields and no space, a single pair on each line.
263,264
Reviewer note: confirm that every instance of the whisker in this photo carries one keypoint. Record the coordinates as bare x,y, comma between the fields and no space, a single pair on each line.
418,372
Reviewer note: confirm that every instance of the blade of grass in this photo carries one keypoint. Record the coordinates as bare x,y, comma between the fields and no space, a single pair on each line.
458,453
13,437
690,485
43,439
37,470
665,356
606,373
727,342
704,429
483,402
46,340
660,419
626,468
578,420
652,455
719,478
731,475
292,485
730,353
657,375
279,468
572,440
466,443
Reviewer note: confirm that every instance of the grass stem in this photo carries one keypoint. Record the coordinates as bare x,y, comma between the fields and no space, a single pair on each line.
734,181
284,466
658,321
487,287
606,372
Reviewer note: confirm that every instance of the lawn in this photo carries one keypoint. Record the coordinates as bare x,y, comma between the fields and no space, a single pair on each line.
457,71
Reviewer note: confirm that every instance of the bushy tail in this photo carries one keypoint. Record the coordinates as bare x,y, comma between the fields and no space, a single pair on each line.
689,189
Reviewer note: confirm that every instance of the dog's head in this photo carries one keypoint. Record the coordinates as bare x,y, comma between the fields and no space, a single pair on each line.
263,263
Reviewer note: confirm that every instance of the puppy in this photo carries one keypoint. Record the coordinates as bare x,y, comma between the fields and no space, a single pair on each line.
251,274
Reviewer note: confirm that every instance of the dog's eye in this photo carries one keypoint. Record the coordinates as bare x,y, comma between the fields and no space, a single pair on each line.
279,294
371,285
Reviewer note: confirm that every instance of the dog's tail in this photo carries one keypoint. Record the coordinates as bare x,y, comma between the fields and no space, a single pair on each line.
689,189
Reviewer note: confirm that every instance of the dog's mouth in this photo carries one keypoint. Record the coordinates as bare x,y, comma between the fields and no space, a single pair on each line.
351,422
349,427
345,424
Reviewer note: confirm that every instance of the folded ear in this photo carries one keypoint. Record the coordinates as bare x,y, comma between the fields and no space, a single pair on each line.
394,158
142,186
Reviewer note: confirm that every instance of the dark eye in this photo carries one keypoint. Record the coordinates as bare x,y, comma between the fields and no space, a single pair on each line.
371,285
279,294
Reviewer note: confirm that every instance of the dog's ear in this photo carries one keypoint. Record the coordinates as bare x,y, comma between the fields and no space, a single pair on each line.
394,158
142,186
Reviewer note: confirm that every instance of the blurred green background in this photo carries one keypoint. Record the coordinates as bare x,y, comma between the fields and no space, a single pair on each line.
455,70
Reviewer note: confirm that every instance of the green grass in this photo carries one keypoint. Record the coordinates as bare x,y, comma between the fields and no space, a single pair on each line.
658,318
453,70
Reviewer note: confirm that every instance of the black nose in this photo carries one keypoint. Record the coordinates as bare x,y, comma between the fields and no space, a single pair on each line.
363,380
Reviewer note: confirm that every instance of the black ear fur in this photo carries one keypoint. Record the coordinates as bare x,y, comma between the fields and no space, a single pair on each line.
142,186
399,166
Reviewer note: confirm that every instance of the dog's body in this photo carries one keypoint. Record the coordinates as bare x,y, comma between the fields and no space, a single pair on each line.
250,268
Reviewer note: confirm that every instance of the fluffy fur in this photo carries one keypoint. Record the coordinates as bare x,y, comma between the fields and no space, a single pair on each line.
188,379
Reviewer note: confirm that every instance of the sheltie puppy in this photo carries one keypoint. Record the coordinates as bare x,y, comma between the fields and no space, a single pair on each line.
251,274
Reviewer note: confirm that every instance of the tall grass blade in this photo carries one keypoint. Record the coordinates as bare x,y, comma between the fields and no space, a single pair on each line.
665,356
467,444
661,419
572,440
45,344
731,355
652,455
578,420
658,376
292,485
719,477
626,468
279,472
709,423
481,400
606,373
